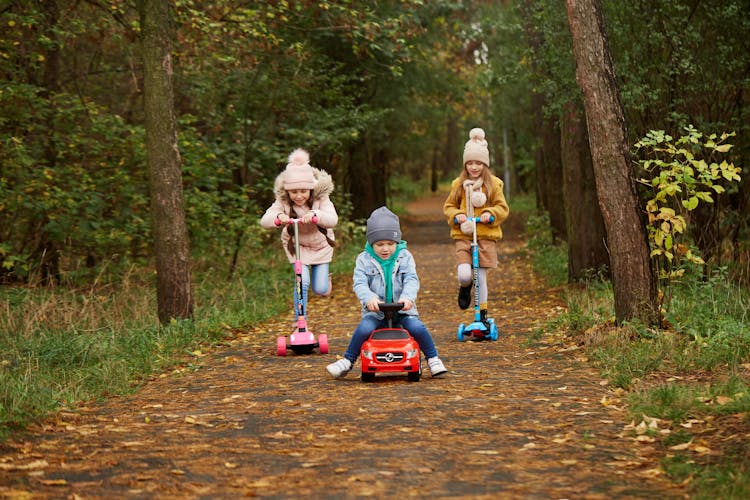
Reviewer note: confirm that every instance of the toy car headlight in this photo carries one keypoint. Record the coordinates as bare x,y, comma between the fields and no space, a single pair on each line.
367,354
410,353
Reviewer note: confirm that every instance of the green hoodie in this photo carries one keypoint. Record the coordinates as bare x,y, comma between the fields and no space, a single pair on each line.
387,265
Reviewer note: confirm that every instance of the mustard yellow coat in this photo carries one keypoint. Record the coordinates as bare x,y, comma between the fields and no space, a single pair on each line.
497,206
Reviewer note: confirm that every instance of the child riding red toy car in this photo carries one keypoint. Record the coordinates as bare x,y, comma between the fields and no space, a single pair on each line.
390,350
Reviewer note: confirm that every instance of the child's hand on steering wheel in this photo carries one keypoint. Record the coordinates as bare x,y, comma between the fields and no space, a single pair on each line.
408,304
372,304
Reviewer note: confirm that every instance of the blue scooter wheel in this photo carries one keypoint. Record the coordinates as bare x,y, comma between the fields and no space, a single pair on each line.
460,332
493,331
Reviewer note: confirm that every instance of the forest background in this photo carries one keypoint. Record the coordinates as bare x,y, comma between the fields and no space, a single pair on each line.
382,94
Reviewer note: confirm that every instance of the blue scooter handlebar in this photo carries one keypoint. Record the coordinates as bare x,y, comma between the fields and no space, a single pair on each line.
476,219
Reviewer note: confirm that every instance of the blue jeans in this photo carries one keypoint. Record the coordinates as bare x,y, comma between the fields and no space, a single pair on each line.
412,324
319,284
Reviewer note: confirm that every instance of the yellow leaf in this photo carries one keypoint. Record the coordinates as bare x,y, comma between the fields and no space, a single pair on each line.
651,473
36,464
680,447
53,482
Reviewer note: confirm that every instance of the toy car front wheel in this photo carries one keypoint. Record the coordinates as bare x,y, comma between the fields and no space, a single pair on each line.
281,346
368,377
323,343
414,376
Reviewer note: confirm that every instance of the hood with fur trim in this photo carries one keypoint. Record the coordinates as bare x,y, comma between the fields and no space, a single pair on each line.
323,184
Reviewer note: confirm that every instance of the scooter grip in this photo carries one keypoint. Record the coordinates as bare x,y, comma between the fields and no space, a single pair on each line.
492,219
314,220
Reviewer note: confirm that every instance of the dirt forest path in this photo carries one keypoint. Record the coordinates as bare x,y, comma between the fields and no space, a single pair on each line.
523,417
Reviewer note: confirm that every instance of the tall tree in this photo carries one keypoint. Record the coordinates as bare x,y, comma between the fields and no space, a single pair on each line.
47,251
547,157
587,248
632,276
171,248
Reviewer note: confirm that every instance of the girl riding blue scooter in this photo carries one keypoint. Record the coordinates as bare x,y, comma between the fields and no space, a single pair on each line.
476,196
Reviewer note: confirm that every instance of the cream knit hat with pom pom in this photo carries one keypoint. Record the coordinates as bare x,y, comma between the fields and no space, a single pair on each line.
476,147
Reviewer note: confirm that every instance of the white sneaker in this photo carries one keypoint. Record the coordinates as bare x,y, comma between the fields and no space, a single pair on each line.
436,367
340,368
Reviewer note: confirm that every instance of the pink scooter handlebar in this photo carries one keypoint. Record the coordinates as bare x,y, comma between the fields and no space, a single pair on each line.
277,222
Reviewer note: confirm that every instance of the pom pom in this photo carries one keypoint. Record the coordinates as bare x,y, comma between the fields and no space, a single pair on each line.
299,157
467,227
476,134
478,199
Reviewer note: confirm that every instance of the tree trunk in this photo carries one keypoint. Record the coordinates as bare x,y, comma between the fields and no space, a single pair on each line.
587,250
171,247
553,177
434,172
452,158
632,276
47,248
537,108
368,178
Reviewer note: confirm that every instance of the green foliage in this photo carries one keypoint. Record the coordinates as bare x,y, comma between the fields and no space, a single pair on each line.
88,203
251,83
625,357
587,306
681,174
550,259
402,189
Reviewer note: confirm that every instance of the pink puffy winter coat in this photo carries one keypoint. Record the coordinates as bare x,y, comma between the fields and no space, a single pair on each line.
314,247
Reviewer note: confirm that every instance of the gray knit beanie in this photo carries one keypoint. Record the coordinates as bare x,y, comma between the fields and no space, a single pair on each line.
383,225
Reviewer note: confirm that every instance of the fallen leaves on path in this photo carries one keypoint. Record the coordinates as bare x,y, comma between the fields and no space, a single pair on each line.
512,418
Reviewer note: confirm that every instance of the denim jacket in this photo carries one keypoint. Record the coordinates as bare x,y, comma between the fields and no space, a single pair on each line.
369,280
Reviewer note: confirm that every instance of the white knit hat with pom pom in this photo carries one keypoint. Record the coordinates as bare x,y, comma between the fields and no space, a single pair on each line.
476,147
299,173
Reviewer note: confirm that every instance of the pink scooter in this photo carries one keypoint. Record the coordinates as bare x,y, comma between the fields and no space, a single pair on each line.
301,340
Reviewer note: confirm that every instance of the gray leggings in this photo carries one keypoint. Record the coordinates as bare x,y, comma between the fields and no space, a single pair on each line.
465,278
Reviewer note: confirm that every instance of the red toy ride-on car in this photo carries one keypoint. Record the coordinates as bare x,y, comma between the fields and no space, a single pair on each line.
391,350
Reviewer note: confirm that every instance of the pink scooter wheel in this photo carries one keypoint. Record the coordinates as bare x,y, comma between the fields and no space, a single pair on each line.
281,346
323,343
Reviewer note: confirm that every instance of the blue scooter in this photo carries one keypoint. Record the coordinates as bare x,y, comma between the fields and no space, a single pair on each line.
478,329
